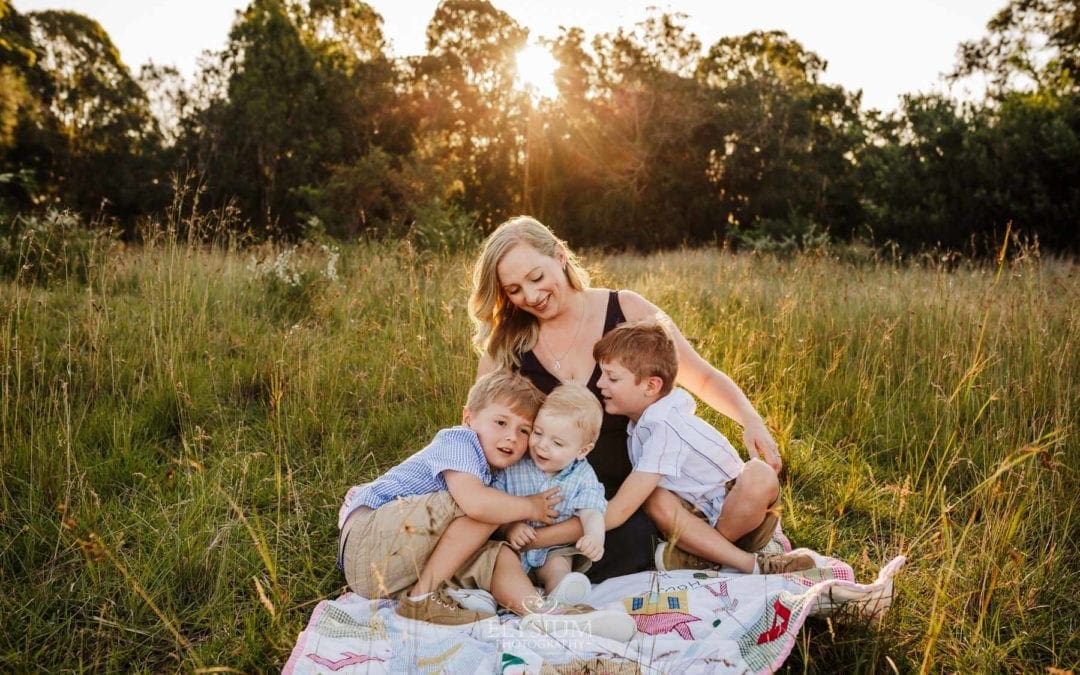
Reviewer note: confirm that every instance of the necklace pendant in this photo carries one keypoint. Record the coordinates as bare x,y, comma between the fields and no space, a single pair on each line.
558,365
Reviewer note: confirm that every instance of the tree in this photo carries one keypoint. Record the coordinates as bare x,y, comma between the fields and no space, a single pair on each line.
624,164
954,176
17,61
24,89
1029,44
107,156
473,116
781,143
302,121
168,98
368,189
263,140
939,173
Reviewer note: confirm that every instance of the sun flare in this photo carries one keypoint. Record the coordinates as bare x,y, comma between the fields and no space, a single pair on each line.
536,71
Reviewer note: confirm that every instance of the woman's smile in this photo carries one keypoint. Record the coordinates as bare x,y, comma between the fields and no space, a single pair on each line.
532,281
540,307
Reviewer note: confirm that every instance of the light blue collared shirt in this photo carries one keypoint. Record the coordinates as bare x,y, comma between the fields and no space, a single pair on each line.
579,488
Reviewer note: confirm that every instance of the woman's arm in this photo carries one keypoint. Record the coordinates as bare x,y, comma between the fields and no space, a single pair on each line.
709,384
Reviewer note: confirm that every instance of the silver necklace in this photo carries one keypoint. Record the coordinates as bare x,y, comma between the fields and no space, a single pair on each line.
558,359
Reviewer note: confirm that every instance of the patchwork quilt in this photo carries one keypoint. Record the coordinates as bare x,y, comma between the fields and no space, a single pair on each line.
696,622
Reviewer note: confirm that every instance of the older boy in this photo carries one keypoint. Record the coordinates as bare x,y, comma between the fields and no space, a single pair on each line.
685,471
411,528
564,432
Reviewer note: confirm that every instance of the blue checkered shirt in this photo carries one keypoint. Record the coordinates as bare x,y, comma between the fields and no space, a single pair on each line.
579,487
453,449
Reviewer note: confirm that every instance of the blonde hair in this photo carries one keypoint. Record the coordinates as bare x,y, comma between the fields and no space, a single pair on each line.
576,402
508,388
502,331
643,347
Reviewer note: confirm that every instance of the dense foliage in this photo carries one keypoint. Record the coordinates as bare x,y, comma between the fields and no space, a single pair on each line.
304,124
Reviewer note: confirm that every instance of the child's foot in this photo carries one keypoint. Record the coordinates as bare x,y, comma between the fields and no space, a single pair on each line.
476,599
440,609
613,624
782,563
670,557
572,590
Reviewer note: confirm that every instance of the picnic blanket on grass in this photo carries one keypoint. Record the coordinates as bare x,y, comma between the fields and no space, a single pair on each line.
697,622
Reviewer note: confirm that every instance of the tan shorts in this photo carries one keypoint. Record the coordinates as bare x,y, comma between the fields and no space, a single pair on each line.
755,539
578,562
384,550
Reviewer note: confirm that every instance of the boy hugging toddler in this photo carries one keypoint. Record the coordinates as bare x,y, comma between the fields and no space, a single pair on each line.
565,430
428,520
693,483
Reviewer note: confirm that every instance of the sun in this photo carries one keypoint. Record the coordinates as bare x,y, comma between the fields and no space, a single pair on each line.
536,71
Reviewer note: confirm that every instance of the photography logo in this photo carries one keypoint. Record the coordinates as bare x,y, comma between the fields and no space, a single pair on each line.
538,604
543,626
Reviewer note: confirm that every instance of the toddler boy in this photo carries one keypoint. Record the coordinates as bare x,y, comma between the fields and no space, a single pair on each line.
693,483
565,430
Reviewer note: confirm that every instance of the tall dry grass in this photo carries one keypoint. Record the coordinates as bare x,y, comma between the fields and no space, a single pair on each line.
177,428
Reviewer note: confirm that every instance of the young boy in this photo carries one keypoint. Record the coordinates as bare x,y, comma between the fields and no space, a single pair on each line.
564,432
685,471
429,518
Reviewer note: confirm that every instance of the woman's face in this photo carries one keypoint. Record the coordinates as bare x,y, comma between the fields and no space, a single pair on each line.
533,281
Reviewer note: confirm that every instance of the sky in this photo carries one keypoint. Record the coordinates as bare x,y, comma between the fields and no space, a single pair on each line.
883,47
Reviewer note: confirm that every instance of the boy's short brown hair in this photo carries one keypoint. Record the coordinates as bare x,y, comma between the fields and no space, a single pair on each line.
576,402
506,387
643,347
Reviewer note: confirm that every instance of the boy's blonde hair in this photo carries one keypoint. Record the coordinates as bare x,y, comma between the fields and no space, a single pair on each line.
502,331
576,402
509,388
643,347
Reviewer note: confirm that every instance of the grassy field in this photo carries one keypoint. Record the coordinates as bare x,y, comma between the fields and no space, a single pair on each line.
178,425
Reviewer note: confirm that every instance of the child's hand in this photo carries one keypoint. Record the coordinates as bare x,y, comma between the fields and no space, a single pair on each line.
519,535
591,548
543,505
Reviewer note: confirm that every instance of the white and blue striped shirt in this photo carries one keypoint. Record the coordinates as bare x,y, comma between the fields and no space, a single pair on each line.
692,457
454,449
578,486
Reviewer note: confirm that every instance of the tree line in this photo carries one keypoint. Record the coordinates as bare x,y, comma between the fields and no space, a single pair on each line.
303,123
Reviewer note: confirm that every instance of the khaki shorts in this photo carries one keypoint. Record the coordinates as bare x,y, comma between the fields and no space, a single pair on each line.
578,562
755,539
384,550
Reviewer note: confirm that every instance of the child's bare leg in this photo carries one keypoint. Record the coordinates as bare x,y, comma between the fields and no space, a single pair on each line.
509,584
746,504
462,538
553,570
692,534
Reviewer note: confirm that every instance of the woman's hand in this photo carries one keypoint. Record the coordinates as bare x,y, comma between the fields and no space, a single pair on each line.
759,443
519,535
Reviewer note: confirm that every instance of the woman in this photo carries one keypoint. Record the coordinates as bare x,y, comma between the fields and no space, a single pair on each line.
534,312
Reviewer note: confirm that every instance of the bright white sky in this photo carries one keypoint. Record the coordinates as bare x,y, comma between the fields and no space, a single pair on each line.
884,48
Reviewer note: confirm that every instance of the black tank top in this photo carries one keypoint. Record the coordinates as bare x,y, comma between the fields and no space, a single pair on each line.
609,459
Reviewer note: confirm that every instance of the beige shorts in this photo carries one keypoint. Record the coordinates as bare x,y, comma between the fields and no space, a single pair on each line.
384,550
578,562
755,539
